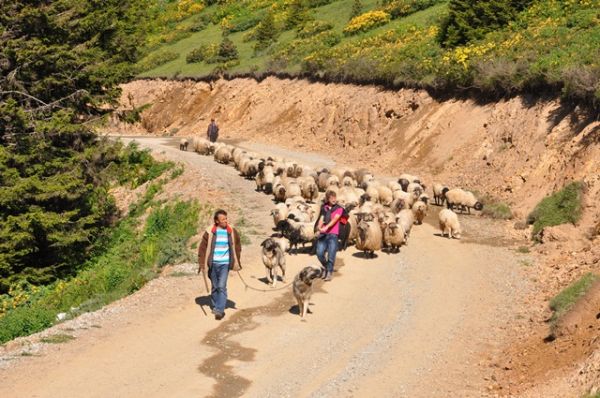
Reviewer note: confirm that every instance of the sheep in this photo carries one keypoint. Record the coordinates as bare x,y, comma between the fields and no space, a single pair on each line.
322,180
414,187
306,171
423,198
385,195
223,154
353,223
183,144
300,215
249,167
406,219
308,188
373,192
370,237
273,258
463,199
292,189
348,195
237,154
279,213
394,186
332,181
363,175
449,222
420,211
393,236
279,191
348,181
397,205
202,146
439,193
297,232
264,179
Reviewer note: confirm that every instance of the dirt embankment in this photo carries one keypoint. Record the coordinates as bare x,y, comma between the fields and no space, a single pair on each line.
516,151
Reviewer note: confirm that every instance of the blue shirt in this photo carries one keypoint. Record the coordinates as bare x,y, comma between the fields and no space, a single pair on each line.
221,253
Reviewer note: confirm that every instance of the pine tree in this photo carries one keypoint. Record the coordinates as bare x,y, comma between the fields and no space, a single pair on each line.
471,20
297,14
227,50
357,8
266,32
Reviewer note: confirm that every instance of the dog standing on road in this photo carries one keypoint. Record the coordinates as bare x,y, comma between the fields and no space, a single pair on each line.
273,258
303,286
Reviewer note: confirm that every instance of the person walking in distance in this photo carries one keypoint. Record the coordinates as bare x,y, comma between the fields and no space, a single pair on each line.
212,133
219,252
328,226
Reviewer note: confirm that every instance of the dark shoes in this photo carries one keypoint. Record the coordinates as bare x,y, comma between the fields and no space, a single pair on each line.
218,315
328,277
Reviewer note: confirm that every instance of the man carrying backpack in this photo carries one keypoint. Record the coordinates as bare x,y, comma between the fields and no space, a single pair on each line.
212,133
328,227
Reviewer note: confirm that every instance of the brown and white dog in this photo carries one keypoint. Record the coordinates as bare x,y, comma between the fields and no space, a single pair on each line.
302,286
273,258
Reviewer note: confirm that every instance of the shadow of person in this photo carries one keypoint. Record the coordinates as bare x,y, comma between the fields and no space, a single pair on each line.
364,255
205,301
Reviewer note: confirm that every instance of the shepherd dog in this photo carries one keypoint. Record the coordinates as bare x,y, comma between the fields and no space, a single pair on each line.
302,286
273,258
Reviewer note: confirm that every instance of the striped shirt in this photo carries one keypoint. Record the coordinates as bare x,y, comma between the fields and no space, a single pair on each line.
221,254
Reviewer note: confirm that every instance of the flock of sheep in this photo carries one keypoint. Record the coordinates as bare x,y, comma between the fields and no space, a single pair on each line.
381,215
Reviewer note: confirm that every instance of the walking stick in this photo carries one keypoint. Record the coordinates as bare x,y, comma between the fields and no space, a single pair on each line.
206,286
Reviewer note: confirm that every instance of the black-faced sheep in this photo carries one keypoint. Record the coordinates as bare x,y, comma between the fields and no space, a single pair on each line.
297,232
223,154
462,199
449,223
393,236
439,193
202,146
370,237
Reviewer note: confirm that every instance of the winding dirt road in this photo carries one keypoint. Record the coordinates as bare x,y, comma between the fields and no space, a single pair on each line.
422,323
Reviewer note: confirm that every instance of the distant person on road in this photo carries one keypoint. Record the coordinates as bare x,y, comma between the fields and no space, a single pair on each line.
219,252
328,228
212,133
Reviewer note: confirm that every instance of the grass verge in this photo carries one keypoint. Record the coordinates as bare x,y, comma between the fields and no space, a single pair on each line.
127,258
561,207
566,299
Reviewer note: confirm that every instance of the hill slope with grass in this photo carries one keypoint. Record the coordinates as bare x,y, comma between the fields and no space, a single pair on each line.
494,47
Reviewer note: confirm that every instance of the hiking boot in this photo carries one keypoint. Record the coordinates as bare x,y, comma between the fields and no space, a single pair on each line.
219,316
328,277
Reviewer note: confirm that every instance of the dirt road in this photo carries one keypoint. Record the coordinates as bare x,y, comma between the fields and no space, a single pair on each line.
418,324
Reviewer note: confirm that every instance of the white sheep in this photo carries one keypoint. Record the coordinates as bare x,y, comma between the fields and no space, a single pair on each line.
393,236
463,200
223,154
370,237
308,188
420,211
279,213
406,219
183,144
385,195
439,193
449,223
265,179
202,146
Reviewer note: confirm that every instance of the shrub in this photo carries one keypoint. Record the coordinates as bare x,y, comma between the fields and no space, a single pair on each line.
366,21
357,9
227,50
497,210
402,8
205,53
561,207
266,32
312,28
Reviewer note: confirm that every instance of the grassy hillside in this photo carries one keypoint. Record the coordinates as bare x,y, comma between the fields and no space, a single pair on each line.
495,47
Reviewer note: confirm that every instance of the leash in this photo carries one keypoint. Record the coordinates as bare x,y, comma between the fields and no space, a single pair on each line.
247,286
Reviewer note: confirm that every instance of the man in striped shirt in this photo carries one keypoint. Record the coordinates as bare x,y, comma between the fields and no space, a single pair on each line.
219,251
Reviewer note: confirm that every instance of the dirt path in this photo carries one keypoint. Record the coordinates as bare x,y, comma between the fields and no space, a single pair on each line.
415,324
